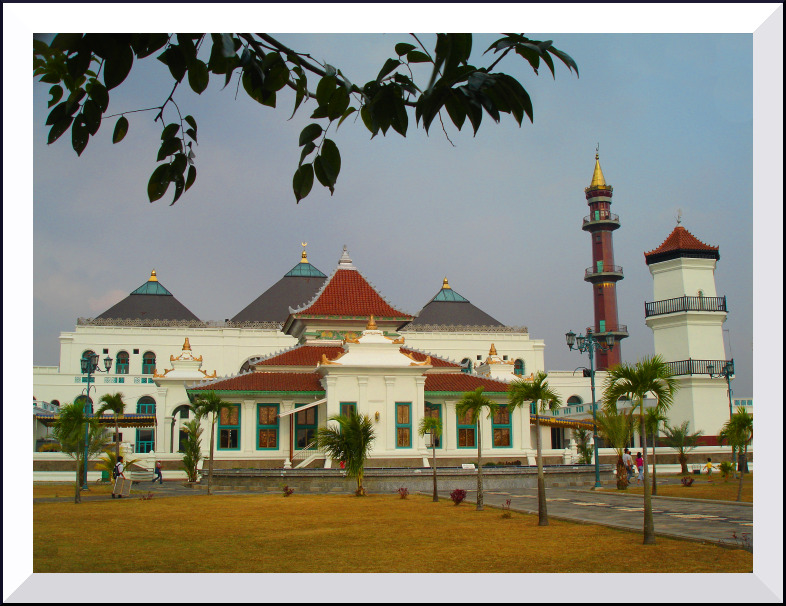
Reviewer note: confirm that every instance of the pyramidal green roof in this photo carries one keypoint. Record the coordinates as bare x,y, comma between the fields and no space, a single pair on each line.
446,293
151,287
304,270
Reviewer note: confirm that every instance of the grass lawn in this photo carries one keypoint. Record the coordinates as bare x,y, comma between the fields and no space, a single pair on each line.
64,489
703,488
341,533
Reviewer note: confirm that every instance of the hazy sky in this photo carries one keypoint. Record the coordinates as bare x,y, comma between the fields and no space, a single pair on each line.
499,214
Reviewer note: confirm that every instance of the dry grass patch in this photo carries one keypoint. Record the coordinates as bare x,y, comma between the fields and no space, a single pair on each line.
705,488
339,533
41,491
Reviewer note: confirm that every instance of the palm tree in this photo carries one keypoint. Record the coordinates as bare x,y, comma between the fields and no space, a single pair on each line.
582,437
69,430
738,431
109,459
113,402
209,404
433,426
683,441
653,418
351,442
616,428
192,453
537,391
651,375
472,403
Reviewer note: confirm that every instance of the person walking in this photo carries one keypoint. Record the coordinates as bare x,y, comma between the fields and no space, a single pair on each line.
640,466
627,460
158,475
117,472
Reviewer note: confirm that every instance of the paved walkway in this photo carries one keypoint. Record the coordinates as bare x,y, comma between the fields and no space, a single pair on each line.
694,519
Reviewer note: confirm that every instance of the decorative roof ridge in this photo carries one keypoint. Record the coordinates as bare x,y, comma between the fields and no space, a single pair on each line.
461,328
429,354
681,239
156,322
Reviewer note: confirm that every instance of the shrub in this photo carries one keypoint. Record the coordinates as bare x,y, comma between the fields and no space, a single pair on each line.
726,468
287,490
403,492
49,447
146,497
458,495
687,481
490,464
506,509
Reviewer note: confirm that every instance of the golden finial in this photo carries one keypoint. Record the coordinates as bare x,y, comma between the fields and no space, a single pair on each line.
445,283
493,350
371,324
597,176
303,257
153,276
186,345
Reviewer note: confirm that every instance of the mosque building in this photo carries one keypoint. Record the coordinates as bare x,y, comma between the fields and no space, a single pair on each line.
315,345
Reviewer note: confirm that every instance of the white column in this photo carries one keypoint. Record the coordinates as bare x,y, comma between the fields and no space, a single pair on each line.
449,426
160,440
284,435
389,437
332,405
166,432
362,406
418,412
248,427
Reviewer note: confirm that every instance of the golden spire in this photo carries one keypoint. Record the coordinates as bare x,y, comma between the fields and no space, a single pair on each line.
153,276
303,257
493,350
186,345
597,176
445,283
371,324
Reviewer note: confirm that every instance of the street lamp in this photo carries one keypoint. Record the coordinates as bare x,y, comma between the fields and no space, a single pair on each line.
89,363
590,344
726,372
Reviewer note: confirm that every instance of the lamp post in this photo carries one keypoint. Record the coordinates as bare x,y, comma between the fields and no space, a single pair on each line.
89,365
590,344
726,372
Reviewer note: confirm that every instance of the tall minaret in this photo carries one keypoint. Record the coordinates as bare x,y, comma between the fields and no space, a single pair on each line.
603,275
686,318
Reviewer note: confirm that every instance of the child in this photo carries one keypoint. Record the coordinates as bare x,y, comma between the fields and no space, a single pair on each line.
640,465
158,475
708,466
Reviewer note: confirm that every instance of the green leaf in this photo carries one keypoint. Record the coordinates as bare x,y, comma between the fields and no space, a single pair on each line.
78,64
159,182
58,113
98,93
456,109
66,42
390,65
58,128
169,147
191,176
349,111
79,135
198,76
338,104
402,48
311,132
307,149
331,160
325,88
418,57
170,131
121,128
92,116
303,181
72,103
227,45
173,58
179,188
117,66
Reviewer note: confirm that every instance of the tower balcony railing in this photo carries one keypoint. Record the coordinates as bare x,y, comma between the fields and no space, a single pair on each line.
603,216
606,271
619,329
677,304
695,367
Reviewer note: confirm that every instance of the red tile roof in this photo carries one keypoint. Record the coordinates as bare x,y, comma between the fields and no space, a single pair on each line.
347,293
302,355
267,381
461,382
681,239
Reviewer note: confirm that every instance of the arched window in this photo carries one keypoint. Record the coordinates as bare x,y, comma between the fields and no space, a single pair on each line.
121,363
574,400
145,439
148,363
88,406
518,367
466,365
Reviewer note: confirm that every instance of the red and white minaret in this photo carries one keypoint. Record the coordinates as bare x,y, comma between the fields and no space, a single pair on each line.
604,274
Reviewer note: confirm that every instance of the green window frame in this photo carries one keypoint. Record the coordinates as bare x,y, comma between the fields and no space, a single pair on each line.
229,428
502,428
148,363
348,408
602,325
306,423
518,367
434,410
403,424
267,426
466,431
599,266
121,363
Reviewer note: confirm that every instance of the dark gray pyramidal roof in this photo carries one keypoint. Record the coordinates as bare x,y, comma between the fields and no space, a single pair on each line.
151,301
298,286
451,309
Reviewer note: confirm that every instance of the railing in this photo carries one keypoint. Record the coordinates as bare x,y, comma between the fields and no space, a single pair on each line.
310,451
603,215
608,328
606,269
695,367
670,306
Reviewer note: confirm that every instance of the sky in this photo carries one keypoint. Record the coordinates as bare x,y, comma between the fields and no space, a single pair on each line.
499,213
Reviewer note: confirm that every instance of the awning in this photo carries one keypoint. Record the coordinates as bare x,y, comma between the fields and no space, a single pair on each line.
125,420
299,408
562,422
